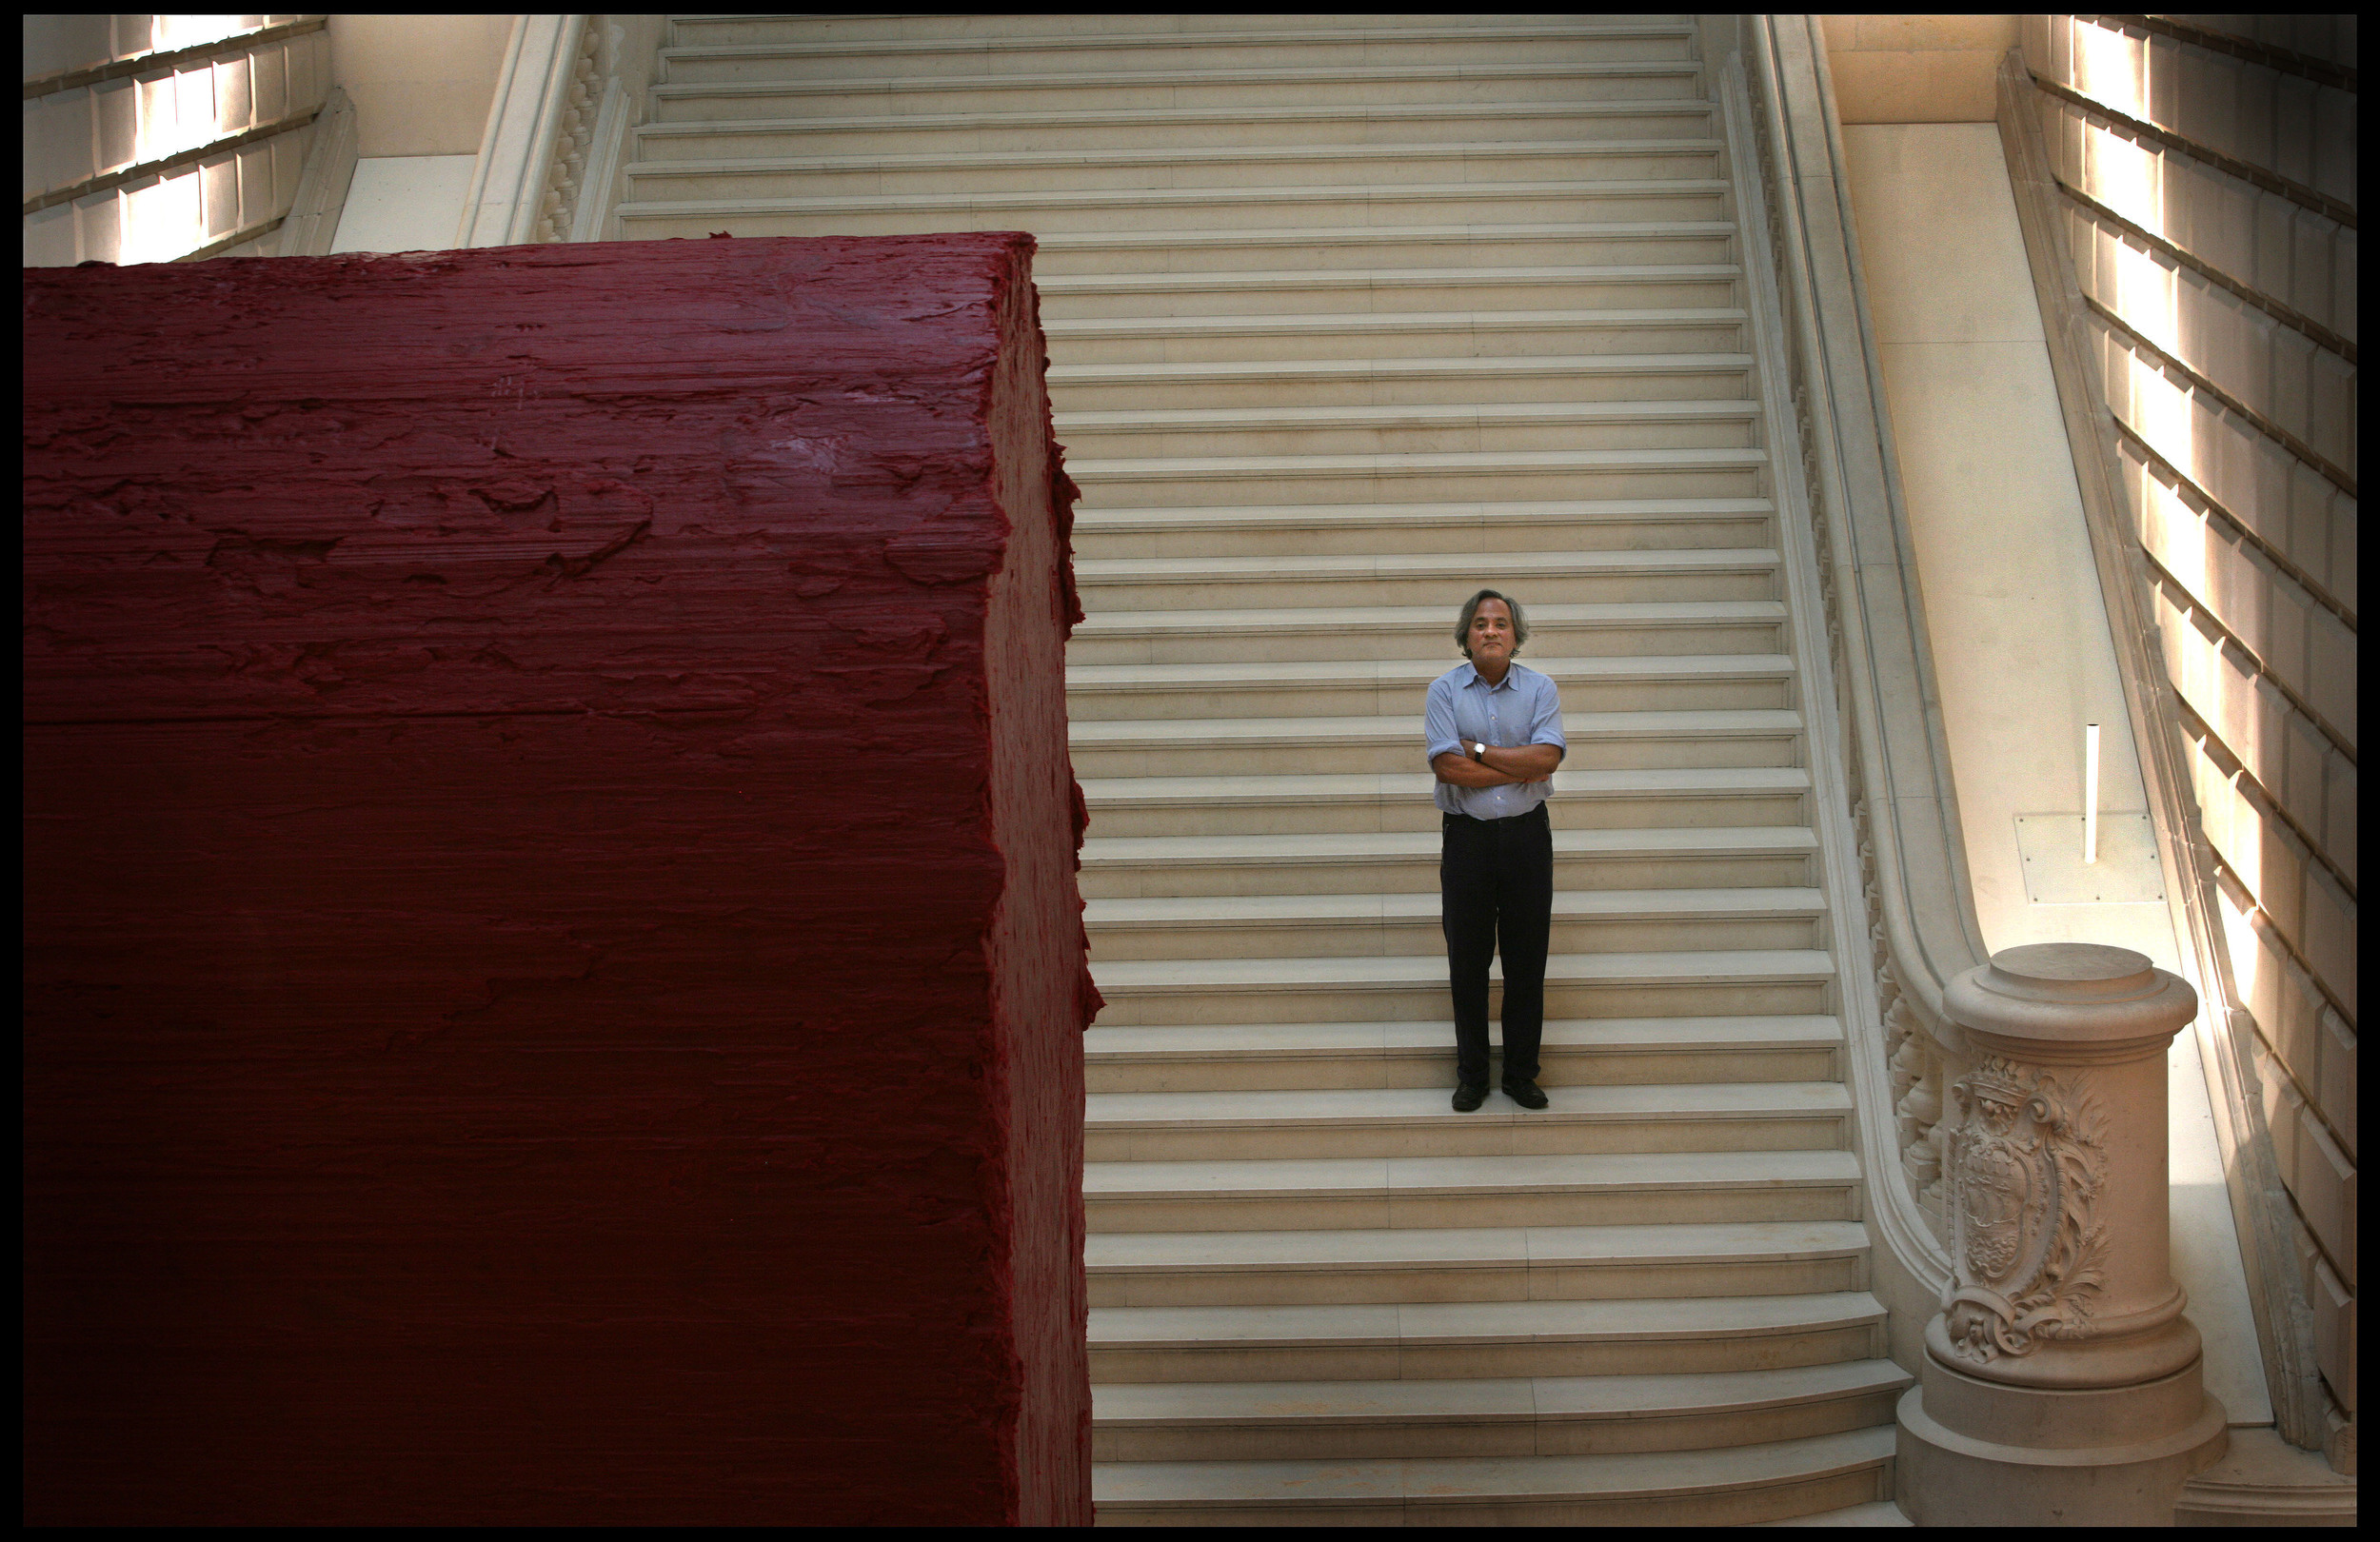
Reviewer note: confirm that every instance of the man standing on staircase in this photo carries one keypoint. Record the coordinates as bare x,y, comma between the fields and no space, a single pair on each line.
1495,731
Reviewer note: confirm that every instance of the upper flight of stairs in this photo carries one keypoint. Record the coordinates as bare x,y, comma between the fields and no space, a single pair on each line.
1350,316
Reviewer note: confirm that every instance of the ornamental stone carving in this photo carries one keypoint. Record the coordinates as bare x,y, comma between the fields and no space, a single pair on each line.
2062,1334
2027,1161
566,177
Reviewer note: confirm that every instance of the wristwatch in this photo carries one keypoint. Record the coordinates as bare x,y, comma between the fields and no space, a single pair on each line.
1480,749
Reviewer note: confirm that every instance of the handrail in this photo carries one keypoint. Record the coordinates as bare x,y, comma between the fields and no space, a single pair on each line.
324,182
524,124
1889,824
571,93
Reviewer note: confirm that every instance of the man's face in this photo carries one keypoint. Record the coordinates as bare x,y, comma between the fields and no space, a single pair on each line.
1491,633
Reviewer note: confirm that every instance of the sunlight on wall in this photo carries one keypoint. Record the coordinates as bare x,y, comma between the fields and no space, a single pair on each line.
175,113
2187,546
202,103
2239,937
2125,177
2174,533
163,220
2243,853
185,110
2109,67
189,32
2146,298
2162,415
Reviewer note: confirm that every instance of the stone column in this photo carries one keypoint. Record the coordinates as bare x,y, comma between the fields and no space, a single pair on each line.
2061,1381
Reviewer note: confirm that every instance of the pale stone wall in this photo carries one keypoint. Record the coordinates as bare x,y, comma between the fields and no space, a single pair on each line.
403,203
421,88
422,84
1916,69
2208,170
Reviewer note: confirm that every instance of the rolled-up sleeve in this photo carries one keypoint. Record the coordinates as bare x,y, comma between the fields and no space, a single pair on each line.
1545,724
1438,720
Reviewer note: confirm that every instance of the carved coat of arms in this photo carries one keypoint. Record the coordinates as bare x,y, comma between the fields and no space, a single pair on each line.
2028,1160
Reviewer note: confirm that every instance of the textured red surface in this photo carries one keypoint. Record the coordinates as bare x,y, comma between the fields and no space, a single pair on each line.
553,975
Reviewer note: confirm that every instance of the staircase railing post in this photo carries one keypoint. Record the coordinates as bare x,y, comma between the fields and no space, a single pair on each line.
2061,1380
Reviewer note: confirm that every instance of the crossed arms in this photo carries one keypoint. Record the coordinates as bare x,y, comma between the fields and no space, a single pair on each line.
1501,766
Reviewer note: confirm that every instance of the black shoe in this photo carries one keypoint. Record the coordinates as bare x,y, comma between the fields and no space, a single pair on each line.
1469,1096
1525,1093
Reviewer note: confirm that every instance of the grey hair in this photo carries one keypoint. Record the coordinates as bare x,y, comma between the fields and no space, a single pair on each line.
1471,608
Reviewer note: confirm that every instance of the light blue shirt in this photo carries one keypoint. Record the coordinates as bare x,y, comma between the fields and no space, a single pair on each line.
1462,710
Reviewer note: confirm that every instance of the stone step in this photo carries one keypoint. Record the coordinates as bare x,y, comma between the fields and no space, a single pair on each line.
1449,1340
1364,687
1448,336
1296,531
1291,412
1282,1056
1657,1188
1414,989
1090,91
1161,129
1353,802
749,173
1334,441
1531,1416
1400,925
1406,861
1420,1122
1689,471
1234,433
1381,243
1111,748
1309,1267
1321,635
1391,382
1731,1486
1438,579
1324,292
1076,53
1877,1512
1475,1263
860,27
1209,208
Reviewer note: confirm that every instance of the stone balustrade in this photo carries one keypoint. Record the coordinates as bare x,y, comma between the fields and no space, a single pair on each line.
2061,1379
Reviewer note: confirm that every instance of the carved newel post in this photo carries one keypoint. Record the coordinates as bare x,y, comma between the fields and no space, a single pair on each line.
2061,1382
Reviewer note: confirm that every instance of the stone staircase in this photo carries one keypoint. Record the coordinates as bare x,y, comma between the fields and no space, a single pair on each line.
1348,317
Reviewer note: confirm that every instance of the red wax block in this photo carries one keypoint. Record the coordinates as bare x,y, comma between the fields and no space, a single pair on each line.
554,980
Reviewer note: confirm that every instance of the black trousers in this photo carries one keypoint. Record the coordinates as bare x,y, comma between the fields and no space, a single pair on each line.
1495,892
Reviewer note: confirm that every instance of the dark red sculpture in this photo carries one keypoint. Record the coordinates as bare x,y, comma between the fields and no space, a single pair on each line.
553,973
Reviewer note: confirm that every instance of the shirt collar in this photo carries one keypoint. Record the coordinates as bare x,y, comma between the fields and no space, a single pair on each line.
1473,677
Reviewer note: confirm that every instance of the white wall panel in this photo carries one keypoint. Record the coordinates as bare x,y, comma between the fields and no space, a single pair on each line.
404,203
